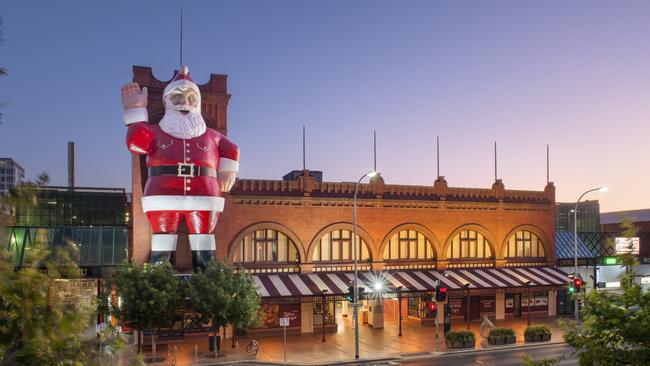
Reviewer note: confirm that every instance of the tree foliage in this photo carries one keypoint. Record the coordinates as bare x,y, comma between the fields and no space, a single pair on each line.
616,326
221,297
37,327
149,295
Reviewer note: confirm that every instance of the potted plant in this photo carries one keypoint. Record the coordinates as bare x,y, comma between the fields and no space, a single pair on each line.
500,336
460,339
537,333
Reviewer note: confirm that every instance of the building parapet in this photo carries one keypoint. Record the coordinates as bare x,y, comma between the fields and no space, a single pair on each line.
306,186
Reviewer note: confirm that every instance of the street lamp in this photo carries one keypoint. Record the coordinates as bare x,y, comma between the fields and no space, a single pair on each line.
575,243
528,286
467,311
356,276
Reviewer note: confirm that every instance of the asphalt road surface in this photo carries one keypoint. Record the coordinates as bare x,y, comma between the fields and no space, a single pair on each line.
506,357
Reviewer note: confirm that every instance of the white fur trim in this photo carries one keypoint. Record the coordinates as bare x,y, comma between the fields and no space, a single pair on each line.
163,242
202,242
182,203
228,165
134,115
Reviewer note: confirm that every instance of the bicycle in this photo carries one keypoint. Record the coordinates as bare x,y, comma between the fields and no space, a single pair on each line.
252,347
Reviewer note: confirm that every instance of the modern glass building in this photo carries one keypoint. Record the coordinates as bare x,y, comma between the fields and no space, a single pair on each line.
588,216
90,223
11,175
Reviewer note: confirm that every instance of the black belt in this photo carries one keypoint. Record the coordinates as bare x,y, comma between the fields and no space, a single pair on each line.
183,170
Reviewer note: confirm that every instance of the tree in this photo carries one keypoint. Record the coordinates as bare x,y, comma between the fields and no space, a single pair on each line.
616,327
221,297
149,296
37,327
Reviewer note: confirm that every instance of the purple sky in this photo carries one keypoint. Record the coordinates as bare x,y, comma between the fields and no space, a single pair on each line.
575,75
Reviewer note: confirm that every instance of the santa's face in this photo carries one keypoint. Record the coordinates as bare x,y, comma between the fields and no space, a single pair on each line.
182,117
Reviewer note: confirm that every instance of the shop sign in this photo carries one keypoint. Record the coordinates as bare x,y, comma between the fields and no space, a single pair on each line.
627,245
456,307
292,313
284,322
645,280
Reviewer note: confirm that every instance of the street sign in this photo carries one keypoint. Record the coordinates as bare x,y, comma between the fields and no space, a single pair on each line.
284,322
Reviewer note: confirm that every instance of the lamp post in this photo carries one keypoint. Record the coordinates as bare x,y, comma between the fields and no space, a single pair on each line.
528,286
467,311
324,312
356,276
399,304
575,244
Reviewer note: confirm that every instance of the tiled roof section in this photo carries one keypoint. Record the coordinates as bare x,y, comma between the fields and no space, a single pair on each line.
439,191
564,246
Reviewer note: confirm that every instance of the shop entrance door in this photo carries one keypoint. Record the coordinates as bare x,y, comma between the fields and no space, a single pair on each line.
474,308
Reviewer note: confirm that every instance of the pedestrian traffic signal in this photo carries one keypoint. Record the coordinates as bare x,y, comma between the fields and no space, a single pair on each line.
431,307
441,293
362,293
351,293
577,282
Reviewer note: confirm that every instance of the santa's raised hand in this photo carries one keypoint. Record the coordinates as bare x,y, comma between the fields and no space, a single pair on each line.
133,96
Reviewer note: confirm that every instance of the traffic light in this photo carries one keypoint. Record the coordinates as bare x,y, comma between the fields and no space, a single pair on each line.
441,293
362,293
351,293
431,307
577,282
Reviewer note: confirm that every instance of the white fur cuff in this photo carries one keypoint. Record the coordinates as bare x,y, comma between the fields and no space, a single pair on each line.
134,115
228,165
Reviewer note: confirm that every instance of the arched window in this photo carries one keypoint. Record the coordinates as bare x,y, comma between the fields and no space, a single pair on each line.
469,244
524,243
267,246
336,246
408,245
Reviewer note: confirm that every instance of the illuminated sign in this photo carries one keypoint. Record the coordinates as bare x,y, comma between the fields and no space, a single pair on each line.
609,260
612,284
627,245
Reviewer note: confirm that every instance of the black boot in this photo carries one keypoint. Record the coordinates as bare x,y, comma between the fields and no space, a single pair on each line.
201,258
161,256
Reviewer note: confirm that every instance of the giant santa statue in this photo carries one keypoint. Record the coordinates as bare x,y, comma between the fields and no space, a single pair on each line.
189,164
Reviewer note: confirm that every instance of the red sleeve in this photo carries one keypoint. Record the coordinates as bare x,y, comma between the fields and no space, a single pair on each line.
139,137
228,155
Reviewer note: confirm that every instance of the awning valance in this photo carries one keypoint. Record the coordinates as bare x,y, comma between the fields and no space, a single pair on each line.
336,283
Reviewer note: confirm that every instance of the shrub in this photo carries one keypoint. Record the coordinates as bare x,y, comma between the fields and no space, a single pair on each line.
536,333
501,332
460,336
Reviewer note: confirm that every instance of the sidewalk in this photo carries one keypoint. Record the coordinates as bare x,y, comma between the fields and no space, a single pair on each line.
384,343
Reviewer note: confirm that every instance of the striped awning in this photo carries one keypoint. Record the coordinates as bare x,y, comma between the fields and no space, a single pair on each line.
336,283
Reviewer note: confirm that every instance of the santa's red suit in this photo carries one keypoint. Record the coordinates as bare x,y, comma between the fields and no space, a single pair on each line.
183,177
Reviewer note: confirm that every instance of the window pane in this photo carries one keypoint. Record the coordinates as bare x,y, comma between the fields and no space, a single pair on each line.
394,247
336,234
403,250
260,252
270,234
325,250
293,253
488,251
421,248
259,234
347,251
282,248
472,249
412,249
364,251
346,234
336,255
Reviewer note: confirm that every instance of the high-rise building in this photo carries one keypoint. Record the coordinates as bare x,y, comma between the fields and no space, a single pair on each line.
588,216
11,174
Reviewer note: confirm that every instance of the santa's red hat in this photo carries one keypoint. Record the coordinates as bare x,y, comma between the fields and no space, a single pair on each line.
181,80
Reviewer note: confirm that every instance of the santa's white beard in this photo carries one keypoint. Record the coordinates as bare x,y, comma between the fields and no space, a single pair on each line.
181,126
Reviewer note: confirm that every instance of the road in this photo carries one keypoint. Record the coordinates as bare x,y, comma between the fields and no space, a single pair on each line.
505,357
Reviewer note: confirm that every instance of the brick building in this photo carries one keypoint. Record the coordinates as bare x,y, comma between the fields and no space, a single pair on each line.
489,247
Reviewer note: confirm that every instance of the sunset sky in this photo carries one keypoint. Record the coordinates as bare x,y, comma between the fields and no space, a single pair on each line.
574,75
